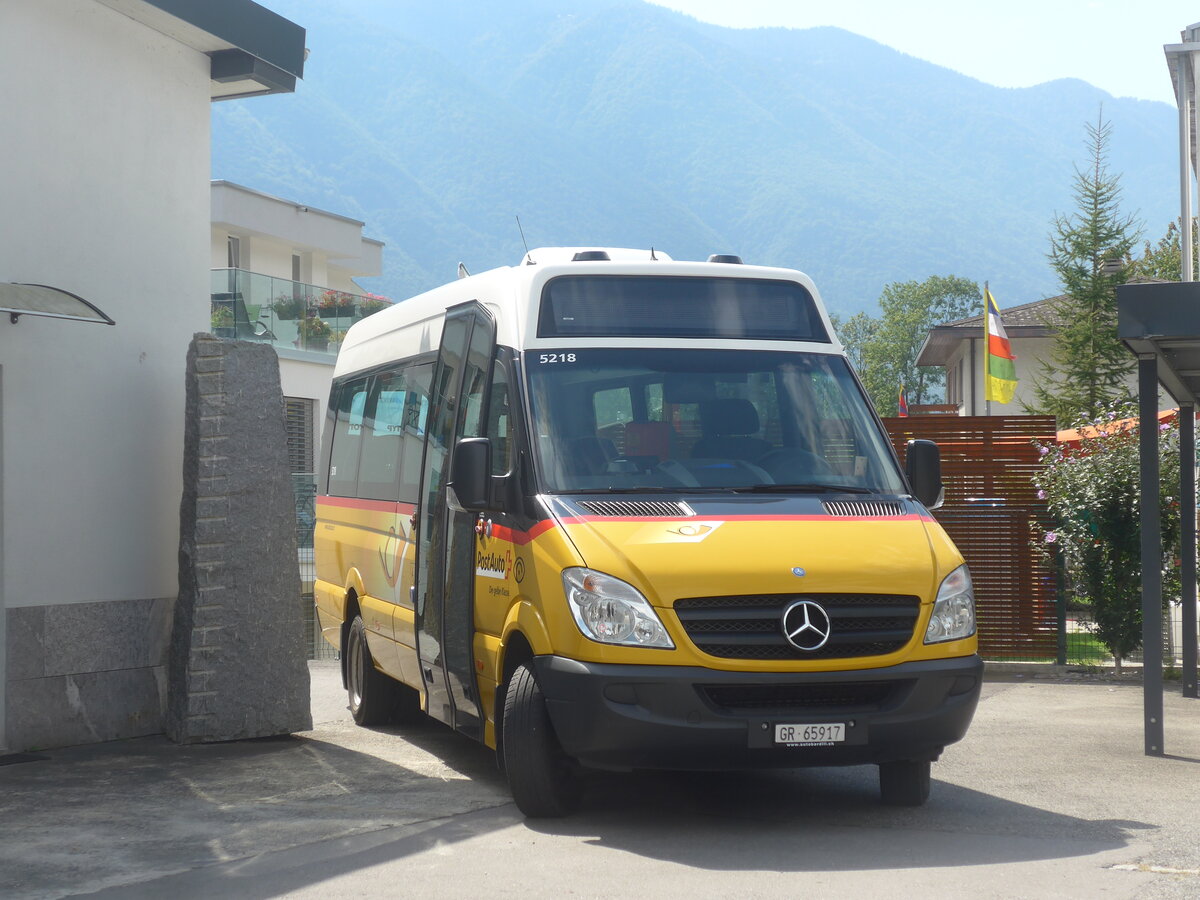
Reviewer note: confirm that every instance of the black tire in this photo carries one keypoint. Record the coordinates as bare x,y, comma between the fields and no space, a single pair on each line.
373,695
905,782
540,775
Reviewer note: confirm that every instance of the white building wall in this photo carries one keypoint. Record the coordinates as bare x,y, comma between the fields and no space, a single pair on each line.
1034,365
271,257
105,194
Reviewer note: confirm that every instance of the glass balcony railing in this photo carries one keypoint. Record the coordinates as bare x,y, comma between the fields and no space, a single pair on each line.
285,313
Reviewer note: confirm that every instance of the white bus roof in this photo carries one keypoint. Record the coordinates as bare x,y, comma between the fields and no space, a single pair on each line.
512,293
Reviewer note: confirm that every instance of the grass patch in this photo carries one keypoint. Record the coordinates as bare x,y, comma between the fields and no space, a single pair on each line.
1084,648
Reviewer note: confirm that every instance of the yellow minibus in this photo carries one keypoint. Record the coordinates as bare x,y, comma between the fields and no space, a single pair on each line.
604,509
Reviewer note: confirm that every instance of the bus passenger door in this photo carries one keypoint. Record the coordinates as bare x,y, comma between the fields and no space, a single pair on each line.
445,578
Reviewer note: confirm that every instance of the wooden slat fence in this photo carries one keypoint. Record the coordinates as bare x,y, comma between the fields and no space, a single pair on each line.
988,464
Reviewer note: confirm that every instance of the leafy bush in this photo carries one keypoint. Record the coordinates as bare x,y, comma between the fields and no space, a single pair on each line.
1093,494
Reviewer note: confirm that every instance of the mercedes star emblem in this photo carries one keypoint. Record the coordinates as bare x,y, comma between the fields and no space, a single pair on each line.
806,625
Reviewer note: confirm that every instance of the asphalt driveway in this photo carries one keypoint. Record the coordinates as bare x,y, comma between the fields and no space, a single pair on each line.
1048,796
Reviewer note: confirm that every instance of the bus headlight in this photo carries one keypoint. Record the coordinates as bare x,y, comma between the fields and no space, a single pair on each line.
954,609
610,611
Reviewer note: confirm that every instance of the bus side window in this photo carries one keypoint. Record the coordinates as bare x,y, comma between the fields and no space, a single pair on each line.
499,421
416,411
379,465
347,438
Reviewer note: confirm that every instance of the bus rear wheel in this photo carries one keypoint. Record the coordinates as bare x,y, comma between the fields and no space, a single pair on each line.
541,776
373,696
904,782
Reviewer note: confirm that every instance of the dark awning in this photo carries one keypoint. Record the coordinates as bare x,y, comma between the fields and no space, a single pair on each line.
43,300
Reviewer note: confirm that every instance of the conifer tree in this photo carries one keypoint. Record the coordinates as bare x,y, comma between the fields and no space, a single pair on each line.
1089,364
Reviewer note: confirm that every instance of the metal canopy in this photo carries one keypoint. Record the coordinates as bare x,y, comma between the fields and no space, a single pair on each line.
41,300
1160,323
1163,320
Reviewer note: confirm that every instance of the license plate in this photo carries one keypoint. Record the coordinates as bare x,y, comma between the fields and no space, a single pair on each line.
811,734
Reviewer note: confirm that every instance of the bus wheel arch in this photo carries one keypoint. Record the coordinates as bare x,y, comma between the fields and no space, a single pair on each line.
352,611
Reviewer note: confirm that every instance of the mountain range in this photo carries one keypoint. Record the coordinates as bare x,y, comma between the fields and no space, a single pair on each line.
620,123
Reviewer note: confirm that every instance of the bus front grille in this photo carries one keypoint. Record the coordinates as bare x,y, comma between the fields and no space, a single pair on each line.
802,698
751,626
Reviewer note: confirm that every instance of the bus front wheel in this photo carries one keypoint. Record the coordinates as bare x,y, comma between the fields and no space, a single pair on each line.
904,782
541,776
372,694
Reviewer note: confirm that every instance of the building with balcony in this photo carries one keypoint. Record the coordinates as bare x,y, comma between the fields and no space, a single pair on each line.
105,188
283,273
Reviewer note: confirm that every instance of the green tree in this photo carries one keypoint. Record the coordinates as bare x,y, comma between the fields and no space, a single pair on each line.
1164,260
884,349
1093,493
856,333
1089,364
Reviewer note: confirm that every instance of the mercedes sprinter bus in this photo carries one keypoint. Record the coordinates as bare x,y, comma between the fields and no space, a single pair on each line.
603,509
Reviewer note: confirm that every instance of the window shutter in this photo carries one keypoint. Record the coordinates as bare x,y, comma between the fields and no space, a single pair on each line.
298,413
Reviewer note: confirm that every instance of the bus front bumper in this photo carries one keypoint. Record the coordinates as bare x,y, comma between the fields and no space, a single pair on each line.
671,717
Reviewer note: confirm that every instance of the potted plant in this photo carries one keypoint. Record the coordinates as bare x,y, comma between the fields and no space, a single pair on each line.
222,321
373,303
335,340
290,307
336,303
314,333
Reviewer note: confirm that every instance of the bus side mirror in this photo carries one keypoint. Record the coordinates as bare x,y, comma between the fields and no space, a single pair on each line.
923,466
470,475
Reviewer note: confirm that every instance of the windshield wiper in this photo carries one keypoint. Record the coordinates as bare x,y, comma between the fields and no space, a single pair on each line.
649,489
806,488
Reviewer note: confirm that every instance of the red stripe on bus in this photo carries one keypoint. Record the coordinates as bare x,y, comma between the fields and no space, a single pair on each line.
521,538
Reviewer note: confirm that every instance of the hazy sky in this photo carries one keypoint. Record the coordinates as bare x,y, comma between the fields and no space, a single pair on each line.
1114,44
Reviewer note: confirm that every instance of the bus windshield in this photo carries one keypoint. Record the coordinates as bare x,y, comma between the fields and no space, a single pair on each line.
647,419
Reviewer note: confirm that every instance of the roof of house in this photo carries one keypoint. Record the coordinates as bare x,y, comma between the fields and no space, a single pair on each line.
1029,320
1046,313
1041,318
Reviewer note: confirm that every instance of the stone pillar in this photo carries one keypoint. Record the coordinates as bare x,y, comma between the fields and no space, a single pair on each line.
238,666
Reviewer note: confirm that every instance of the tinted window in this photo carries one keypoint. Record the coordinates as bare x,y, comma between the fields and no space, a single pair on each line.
378,434
499,421
661,306
382,433
703,419
347,438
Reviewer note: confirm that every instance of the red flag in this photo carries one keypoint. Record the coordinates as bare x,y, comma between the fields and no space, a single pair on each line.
903,402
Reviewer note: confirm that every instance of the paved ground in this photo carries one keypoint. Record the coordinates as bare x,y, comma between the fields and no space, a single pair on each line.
1049,796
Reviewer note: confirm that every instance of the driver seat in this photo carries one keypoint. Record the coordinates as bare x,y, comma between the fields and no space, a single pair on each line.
727,427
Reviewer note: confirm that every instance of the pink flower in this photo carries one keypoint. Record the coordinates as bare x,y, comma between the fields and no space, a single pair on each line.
1051,537
1041,495
1042,451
